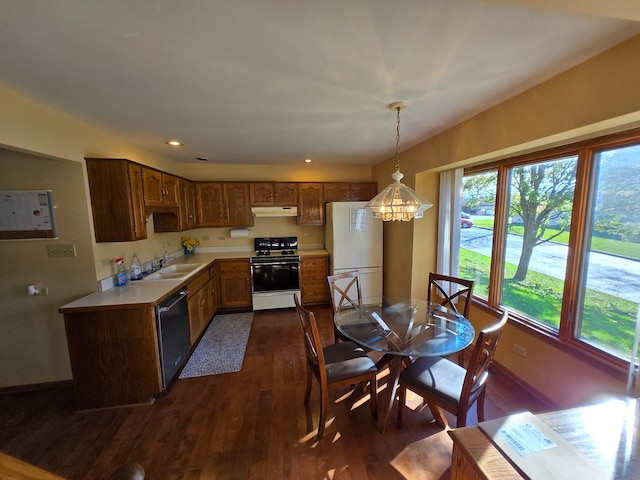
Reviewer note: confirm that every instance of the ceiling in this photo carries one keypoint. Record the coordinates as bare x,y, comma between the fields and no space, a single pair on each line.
278,81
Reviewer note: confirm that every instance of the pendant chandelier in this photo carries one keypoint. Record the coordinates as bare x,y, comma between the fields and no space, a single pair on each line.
398,202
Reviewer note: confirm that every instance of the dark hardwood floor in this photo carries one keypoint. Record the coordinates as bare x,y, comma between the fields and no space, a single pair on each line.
244,425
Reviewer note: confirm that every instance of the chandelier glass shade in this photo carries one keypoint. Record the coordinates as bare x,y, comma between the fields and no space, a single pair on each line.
397,202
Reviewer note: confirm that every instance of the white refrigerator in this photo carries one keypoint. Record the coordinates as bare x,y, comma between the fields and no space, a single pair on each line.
354,241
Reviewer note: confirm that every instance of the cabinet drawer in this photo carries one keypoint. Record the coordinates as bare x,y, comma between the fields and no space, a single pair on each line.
198,282
234,266
315,262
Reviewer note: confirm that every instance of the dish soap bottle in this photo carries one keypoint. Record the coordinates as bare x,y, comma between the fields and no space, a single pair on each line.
136,268
121,276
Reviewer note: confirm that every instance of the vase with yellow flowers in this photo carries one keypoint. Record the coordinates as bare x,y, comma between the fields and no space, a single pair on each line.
189,245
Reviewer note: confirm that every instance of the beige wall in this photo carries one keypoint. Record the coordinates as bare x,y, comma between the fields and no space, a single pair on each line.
597,97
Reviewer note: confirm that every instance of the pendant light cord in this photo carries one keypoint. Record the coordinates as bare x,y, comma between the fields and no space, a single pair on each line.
398,138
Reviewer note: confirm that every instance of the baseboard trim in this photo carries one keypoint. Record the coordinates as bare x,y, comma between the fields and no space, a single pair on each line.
35,387
502,370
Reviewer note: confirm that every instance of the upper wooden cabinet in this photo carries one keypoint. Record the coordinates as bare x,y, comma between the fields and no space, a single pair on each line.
349,192
115,188
160,189
273,194
223,204
185,216
310,204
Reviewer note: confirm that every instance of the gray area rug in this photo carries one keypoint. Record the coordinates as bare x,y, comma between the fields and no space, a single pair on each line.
221,348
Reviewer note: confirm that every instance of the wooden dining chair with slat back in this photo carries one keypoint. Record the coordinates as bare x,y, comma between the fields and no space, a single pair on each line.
451,292
445,385
344,292
338,365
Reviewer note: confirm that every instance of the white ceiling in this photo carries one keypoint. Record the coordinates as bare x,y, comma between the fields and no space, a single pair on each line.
278,81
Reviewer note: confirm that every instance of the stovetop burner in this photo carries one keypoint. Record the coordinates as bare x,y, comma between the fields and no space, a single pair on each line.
263,253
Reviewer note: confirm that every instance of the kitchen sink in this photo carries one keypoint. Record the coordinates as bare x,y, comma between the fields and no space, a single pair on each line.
177,271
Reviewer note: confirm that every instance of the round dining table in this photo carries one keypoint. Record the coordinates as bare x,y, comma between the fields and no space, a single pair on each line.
404,329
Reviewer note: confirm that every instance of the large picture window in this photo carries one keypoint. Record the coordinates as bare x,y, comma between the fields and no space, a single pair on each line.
555,237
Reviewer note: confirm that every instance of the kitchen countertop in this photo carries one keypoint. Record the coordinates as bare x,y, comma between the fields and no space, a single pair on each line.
148,293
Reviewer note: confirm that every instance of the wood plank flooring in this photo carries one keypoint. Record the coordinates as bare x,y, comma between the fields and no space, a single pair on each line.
252,424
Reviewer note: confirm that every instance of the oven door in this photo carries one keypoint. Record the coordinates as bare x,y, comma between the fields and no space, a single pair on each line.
275,276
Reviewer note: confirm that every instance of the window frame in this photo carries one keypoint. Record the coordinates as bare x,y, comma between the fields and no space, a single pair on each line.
565,337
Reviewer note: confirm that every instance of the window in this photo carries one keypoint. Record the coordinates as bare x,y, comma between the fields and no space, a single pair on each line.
555,237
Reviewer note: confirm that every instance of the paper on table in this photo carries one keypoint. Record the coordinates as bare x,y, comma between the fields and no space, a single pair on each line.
561,463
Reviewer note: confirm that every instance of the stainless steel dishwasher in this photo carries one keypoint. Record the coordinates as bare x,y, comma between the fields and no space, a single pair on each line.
172,318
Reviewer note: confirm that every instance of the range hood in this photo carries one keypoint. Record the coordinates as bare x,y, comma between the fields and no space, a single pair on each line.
274,211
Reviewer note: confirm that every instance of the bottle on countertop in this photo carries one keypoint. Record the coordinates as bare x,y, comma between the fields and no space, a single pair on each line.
121,275
136,268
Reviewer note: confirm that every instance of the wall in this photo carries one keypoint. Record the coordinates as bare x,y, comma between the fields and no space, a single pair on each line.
596,97
33,345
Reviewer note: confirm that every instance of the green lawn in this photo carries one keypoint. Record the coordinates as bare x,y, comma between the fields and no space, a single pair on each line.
608,321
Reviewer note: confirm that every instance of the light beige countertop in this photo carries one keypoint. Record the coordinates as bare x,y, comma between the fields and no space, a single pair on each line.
148,293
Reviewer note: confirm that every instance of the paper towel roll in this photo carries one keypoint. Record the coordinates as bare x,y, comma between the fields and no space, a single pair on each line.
239,233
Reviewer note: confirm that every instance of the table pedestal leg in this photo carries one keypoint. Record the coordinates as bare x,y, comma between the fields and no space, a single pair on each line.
389,393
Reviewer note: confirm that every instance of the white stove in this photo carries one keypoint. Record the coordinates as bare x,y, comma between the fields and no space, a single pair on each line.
275,273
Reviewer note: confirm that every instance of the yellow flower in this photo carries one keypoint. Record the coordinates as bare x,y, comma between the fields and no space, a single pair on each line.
190,243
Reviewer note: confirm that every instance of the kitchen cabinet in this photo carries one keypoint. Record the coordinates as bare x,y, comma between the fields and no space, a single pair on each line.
185,217
235,283
114,356
117,206
310,204
349,192
160,189
199,304
223,204
314,270
273,194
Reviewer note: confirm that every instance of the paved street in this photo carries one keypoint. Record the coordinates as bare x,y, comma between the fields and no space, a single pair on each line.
607,273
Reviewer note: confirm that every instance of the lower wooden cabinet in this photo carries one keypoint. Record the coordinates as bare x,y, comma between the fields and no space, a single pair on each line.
114,356
200,305
235,284
313,273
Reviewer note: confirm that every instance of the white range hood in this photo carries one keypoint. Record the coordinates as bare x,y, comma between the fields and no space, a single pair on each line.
274,211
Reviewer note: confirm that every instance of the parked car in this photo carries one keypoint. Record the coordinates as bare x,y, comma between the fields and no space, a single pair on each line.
465,215
466,223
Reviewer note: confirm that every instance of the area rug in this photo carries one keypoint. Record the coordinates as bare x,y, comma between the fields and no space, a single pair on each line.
221,348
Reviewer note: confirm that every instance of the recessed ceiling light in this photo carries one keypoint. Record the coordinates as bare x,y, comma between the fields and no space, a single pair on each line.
307,160
202,159
174,143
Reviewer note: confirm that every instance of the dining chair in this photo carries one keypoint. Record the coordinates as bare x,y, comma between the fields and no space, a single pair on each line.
451,292
445,385
344,292
337,365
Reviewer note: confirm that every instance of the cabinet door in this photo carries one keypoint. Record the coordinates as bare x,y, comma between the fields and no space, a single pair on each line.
187,209
196,307
337,192
310,204
363,191
286,194
152,186
210,204
262,194
139,219
170,191
115,188
235,284
238,207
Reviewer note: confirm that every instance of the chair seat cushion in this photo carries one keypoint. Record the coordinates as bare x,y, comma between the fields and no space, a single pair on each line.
346,359
435,376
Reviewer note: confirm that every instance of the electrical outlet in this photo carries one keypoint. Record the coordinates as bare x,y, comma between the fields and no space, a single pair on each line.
205,237
221,237
520,350
62,250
